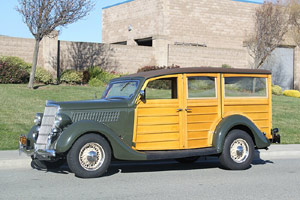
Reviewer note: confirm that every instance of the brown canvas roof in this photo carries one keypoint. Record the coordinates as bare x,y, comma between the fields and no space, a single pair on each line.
162,72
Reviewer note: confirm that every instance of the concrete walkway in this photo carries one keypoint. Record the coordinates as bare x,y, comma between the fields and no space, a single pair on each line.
12,159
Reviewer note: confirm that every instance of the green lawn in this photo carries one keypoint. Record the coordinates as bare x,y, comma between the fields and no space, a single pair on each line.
286,117
19,105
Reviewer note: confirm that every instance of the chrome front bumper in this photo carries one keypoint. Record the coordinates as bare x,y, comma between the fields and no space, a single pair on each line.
40,154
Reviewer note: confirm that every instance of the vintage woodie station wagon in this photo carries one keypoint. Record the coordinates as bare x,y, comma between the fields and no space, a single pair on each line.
180,114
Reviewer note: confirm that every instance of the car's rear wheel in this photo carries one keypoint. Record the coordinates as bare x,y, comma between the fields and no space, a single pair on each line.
89,156
238,150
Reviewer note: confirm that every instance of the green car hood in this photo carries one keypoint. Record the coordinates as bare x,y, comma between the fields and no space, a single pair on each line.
90,104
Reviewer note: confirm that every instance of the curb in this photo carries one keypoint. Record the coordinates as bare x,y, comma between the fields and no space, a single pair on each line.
12,159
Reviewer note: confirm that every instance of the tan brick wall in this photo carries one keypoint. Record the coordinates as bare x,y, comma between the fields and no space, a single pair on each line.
204,56
297,68
222,24
129,59
78,55
20,47
145,17
216,23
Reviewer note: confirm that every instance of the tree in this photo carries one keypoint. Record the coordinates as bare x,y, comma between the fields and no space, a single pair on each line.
271,24
294,19
44,16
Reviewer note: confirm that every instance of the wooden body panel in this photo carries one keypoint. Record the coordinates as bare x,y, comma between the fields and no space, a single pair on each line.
202,115
257,109
158,125
188,123
158,122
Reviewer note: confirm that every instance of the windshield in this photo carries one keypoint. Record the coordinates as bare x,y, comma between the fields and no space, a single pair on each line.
120,90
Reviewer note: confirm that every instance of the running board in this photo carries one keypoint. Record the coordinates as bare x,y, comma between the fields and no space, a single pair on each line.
171,154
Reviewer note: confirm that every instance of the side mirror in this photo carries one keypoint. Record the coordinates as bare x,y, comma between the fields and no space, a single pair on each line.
142,95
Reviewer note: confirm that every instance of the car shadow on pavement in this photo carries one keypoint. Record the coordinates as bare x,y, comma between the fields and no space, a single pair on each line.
259,161
159,166
170,165
63,169
155,166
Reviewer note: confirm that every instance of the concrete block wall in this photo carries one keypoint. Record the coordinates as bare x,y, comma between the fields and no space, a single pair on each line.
79,55
222,24
207,57
216,23
20,47
129,59
146,18
120,58
297,68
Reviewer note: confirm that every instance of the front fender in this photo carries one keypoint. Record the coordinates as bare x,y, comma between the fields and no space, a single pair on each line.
30,137
238,120
76,130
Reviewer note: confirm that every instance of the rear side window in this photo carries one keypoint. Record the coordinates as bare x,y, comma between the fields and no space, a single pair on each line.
245,87
201,87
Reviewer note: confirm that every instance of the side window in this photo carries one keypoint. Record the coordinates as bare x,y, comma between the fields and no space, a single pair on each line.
245,87
201,87
162,89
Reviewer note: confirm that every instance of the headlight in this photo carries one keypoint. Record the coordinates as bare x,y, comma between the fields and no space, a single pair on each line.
38,119
62,120
58,121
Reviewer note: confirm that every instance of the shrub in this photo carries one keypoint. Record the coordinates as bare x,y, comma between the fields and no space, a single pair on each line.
94,72
226,66
43,76
151,68
276,89
102,75
292,93
16,61
10,73
71,77
94,82
85,77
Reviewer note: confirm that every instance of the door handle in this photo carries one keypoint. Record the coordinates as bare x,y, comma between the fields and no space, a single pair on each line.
188,110
179,110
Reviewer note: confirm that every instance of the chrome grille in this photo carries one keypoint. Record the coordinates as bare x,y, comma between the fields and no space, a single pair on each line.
46,126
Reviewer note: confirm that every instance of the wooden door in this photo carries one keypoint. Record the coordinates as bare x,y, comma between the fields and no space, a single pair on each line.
202,109
158,120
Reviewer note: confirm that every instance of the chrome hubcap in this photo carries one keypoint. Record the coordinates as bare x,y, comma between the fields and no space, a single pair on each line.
91,156
239,150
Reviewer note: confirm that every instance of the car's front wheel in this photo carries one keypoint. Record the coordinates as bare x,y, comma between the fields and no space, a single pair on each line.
89,156
238,150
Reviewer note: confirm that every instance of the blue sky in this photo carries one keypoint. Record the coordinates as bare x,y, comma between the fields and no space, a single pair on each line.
86,30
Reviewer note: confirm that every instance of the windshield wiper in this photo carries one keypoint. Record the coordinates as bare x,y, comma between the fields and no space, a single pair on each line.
117,98
124,86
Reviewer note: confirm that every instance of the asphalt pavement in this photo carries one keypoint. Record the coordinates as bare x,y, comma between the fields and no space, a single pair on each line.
12,159
273,175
